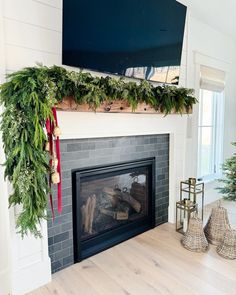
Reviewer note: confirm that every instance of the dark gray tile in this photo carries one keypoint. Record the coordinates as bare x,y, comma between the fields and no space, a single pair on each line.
67,200
61,254
56,265
50,241
61,237
74,156
72,147
68,260
54,230
67,244
161,177
102,145
140,148
55,247
61,219
67,209
66,174
153,140
88,146
63,147
67,191
66,226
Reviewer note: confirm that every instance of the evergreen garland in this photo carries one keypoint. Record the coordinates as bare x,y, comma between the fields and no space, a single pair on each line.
28,97
229,171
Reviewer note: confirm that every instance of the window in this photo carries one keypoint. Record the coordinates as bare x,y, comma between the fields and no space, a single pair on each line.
210,134
210,124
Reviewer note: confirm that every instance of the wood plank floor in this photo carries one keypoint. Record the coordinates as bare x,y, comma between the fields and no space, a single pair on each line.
151,263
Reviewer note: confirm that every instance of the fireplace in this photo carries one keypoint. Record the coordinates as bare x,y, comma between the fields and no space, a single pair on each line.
91,152
111,204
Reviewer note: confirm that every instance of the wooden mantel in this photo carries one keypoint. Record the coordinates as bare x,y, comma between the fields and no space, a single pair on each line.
117,106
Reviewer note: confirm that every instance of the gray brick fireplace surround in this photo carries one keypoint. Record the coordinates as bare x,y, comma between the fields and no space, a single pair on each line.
79,153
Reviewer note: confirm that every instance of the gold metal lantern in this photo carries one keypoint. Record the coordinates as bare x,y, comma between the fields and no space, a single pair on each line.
192,190
184,209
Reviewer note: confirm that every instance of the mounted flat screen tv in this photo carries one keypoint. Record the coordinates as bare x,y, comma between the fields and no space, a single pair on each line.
134,38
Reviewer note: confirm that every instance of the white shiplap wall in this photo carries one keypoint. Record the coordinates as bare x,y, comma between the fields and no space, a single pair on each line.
5,264
33,33
30,32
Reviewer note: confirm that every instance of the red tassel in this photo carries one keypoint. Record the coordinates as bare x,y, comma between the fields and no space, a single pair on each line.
49,133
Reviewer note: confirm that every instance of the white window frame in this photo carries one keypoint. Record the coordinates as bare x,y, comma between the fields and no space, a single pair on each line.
217,136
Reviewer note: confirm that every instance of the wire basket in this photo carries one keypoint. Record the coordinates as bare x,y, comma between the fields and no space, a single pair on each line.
227,248
217,224
195,239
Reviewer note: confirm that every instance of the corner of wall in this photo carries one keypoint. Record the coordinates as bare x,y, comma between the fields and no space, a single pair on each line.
31,265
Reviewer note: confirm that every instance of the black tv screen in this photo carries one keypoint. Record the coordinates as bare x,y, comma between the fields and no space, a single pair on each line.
134,38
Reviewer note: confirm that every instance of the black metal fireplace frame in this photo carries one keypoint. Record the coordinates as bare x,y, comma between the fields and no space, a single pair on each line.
93,245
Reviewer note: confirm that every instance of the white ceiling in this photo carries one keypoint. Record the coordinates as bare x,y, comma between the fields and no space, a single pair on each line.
219,14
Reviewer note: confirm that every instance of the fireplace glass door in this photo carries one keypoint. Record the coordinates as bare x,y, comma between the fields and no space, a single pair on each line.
109,202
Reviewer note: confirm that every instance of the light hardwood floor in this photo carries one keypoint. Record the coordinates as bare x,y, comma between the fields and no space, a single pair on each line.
151,263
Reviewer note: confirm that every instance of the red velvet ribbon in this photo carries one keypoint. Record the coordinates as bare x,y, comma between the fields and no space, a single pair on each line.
50,128
59,194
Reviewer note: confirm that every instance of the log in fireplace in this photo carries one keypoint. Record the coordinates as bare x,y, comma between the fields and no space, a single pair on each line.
111,204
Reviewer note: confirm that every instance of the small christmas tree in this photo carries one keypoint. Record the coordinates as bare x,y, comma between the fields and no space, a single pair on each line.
229,171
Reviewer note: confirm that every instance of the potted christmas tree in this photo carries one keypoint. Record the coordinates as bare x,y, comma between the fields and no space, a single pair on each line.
229,181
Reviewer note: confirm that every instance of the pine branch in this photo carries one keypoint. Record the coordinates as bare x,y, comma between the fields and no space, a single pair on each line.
229,181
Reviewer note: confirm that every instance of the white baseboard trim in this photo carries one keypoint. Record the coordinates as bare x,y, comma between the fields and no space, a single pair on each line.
32,277
5,287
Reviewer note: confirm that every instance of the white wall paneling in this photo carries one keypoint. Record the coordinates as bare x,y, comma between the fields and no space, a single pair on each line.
5,261
35,13
25,57
51,3
33,38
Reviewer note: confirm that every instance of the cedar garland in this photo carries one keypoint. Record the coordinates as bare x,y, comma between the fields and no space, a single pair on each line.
28,98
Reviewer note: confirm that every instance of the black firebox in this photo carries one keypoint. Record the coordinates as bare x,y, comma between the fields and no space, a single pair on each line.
111,204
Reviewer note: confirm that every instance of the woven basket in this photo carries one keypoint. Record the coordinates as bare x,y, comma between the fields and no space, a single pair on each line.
227,249
217,224
194,239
